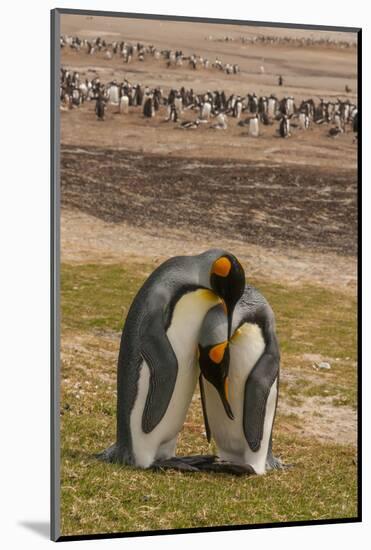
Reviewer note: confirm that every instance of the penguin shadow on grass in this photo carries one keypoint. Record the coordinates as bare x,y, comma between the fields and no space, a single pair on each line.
203,464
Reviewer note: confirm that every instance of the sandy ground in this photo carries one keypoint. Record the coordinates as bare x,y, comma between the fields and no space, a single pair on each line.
86,239
136,189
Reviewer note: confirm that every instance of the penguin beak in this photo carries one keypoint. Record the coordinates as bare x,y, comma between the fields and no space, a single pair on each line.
229,313
229,318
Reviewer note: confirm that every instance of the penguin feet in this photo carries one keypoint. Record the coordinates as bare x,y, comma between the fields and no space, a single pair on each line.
197,460
274,463
193,463
108,455
174,463
222,467
202,463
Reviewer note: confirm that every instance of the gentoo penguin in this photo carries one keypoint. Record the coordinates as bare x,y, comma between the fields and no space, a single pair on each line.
148,108
124,104
178,104
254,126
303,121
100,107
190,124
157,366
113,93
205,111
239,382
272,105
334,132
284,127
237,107
220,122
337,120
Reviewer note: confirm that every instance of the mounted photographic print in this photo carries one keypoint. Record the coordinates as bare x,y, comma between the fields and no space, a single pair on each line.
204,282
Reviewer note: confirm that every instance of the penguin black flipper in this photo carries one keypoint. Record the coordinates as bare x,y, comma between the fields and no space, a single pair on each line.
157,352
257,388
204,412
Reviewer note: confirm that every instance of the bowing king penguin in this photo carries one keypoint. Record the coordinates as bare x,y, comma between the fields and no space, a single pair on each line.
157,366
239,383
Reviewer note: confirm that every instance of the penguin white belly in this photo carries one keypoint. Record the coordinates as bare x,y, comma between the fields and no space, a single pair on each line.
206,109
271,106
183,333
124,104
246,348
254,127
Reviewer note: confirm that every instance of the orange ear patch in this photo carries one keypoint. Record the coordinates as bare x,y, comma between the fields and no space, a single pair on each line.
222,267
216,353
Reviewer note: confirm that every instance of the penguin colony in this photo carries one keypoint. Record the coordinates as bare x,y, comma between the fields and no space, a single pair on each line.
286,41
129,51
257,110
194,319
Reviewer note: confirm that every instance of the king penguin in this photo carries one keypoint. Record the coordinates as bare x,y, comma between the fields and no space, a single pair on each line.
239,383
157,366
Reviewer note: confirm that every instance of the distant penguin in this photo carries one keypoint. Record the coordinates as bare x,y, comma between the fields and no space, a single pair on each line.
272,103
124,104
303,121
138,99
190,124
113,94
178,103
335,132
237,108
337,120
148,108
239,382
290,106
100,108
205,111
284,127
157,366
254,127
172,114
221,122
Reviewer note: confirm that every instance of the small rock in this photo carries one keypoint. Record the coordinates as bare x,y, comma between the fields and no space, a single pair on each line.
324,365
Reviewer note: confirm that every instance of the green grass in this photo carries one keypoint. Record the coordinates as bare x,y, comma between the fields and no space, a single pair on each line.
99,498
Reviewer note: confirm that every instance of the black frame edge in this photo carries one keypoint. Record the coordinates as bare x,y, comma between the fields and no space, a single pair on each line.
54,280
196,19
130,534
359,272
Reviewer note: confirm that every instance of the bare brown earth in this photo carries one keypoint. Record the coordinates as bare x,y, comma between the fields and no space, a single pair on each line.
135,188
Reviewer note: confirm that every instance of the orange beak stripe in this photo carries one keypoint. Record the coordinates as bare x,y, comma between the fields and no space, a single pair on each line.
222,267
226,389
216,353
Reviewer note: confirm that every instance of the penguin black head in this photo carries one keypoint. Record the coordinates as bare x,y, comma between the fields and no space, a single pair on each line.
227,280
214,365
